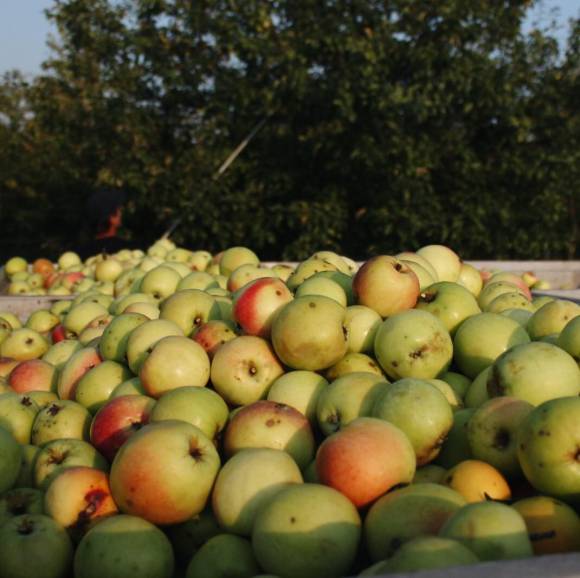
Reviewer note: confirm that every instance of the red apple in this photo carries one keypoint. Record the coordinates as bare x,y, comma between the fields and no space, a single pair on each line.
365,460
33,375
256,303
117,420
164,472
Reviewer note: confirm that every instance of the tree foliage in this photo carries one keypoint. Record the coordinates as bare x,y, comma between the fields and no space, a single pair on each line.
385,125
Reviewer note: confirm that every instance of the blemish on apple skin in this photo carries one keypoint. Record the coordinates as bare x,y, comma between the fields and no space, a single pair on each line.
535,536
196,454
395,544
93,499
26,527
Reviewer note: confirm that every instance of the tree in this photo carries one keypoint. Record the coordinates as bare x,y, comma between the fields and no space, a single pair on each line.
384,125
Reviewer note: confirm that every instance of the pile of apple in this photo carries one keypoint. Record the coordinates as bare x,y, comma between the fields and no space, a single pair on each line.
209,416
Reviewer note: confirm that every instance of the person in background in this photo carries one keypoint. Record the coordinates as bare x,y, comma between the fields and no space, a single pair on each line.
104,210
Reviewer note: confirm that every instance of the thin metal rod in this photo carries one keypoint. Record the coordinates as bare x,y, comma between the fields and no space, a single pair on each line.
236,152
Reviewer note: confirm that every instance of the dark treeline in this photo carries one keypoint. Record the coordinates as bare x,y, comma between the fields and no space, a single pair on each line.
384,125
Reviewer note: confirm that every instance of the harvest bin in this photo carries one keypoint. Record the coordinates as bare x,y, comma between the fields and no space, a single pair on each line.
564,279
551,566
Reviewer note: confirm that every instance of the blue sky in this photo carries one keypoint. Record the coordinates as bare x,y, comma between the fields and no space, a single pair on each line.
24,30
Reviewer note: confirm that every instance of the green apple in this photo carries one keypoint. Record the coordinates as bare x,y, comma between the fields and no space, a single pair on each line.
79,316
10,320
552,318
553,526
322,286
361,324
10,460
548,442
308,333
507,301
59,454
131,386
109,269
22,344
444,260
223,555
15,265
494,531
459,382
114,340
247,273
160,282
477,393
470,278
421,411
492,433
347,398
59,353
410,256
569,338
234,257
449,302
413,343
406,513
122,546
314,520
246,482
42,321
482,338
431,473
20,501
456,447
306,269
300,389
34,545
68,259
428,553
95,387
522,316
425,278
121,303
188,536
197,280
535,372
189,309
266,424
351,363
243,369
144,337
174,361
25,476
17,414
494,289
199,406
